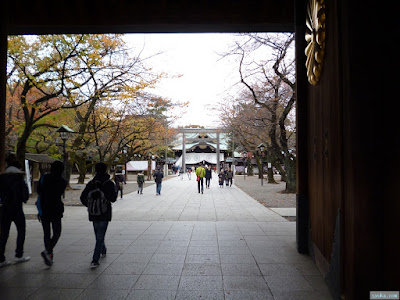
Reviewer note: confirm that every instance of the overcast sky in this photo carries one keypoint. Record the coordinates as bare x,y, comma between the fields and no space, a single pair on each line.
205,80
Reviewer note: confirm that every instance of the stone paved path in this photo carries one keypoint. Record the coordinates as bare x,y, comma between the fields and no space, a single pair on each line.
181,245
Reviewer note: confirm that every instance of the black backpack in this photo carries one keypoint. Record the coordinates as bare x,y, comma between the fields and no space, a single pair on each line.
97,201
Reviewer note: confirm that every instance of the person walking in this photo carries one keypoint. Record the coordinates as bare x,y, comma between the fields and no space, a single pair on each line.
200,173
208,176
99,190
140,182
51,187
180,172
221,178
189,173
119,179
158,176
229,177
13,192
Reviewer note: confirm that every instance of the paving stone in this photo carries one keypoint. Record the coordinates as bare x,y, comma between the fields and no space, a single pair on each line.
229,250
240,269
53,293
248,295
152,294
244,283
202,258
202,250
197,294
113,282
158,282
168,258
281,269
126,268
212,243
73,281
133,258
163,269
104,294
28,280
201,269
287,283
205,282
236,258
301,295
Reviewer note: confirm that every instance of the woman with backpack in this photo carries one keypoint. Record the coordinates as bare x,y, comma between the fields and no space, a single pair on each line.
97,197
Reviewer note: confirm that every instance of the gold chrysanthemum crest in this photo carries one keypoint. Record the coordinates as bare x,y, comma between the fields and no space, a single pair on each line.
315,37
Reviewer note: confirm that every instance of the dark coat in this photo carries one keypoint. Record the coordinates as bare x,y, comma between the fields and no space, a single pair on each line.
221,177
119,180
158,176
208,174
50,189
109,191
13,191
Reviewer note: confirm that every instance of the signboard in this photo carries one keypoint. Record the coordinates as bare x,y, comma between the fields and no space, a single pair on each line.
140,165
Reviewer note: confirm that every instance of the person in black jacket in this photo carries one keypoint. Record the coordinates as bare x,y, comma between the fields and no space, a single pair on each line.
208,176
100,222
158,176
50,189
13,192
120,180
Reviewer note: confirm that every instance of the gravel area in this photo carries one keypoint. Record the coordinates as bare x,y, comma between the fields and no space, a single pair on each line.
268,194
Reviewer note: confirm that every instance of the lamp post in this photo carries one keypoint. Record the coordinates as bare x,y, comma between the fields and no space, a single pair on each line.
261,149
244,164
64,132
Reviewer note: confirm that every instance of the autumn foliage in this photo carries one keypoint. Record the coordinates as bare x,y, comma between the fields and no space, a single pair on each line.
92,83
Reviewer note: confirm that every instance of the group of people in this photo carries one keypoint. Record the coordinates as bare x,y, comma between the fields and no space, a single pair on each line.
225,175
14,192
97,196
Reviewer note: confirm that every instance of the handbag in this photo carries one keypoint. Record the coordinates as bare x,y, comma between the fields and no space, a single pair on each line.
198,178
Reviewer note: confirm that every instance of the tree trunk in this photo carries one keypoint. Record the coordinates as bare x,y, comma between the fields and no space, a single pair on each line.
271,178
21,147
80,161
250,170
270,172
290,167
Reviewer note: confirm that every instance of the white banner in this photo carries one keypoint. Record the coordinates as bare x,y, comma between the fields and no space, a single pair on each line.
140,165
195,158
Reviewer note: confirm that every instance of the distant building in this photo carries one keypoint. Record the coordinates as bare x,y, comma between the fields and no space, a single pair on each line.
201,146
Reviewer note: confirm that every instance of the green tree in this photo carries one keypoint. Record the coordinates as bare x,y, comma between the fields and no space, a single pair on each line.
47,74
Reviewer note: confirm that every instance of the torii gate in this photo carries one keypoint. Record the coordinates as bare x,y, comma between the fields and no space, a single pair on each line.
200,130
